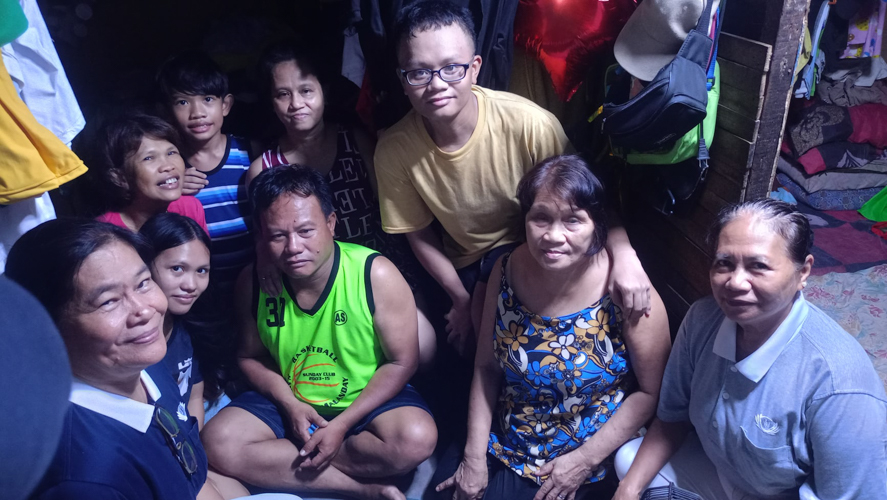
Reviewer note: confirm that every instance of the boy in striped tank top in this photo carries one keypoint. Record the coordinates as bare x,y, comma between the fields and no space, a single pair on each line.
195,92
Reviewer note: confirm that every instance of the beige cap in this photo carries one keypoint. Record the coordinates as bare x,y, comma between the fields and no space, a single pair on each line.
654,33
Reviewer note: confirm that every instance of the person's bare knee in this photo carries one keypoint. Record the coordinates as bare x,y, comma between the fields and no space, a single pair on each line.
227,433
412,438
417,443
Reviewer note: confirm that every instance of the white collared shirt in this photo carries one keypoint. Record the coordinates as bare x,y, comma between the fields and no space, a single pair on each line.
756,364
128,411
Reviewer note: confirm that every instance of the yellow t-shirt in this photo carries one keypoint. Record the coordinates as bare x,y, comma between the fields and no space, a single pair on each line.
471,191
32,159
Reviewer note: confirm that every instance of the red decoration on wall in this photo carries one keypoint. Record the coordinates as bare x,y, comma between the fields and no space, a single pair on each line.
567,35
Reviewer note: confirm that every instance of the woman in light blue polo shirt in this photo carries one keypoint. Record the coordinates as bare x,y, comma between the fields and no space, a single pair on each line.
784,403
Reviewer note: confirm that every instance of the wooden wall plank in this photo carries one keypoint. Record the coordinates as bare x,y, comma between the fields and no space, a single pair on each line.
739,100
676,293
676,306
737,124
702,218
712,202
661,270
687,236
740,76
774,109
755,19
729,155
725,188
744,51
689,280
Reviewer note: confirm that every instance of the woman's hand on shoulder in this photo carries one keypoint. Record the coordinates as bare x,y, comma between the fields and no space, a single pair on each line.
470,480
566,474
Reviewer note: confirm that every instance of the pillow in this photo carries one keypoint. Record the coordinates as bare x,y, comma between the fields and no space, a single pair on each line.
828,199
822,124
818,124
868,124
838,155
873,175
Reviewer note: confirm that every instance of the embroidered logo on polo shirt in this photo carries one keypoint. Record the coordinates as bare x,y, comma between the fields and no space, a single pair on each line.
182,412
766,424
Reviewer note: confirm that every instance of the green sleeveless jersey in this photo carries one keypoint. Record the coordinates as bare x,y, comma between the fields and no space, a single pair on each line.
327,354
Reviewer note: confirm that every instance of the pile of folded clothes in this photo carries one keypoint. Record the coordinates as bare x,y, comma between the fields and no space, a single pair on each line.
833,157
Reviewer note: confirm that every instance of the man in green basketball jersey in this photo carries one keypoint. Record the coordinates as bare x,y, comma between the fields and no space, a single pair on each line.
329,357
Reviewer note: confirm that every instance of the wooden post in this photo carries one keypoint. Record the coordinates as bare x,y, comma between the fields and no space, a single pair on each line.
776,99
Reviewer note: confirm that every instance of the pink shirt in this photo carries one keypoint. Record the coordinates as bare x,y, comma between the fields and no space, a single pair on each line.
188,206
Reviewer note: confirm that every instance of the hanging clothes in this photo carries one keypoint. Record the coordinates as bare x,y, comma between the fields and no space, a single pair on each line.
495,42
804,53
813,72
353,62
866,31
34,65
12,21
19,218
32,159
834,36
40,82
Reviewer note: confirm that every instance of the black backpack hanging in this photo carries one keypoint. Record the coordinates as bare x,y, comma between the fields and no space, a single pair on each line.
672,103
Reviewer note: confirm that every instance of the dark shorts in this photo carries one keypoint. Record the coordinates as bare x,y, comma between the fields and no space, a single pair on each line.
266,411
479,272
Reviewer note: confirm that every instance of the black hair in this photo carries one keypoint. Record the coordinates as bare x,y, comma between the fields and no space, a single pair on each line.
568,178
168,230
299,180
782,218
46,259
119,140
306,59
432,15
191,73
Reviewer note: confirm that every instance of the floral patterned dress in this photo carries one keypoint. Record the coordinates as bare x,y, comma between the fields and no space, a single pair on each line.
564,378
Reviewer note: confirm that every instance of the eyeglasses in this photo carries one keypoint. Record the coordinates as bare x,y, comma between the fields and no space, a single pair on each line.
182,449
449,73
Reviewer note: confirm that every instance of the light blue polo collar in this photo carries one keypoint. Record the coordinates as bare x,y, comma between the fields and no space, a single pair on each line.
756,364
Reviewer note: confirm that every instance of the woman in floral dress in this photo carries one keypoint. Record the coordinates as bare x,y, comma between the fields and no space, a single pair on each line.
560,380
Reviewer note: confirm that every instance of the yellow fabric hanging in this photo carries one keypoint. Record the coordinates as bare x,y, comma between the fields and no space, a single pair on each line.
804,52
32,159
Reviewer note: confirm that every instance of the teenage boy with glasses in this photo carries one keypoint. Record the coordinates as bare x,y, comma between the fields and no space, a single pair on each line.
458,156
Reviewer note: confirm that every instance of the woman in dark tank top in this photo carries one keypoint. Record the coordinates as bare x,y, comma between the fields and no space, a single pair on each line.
292,77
